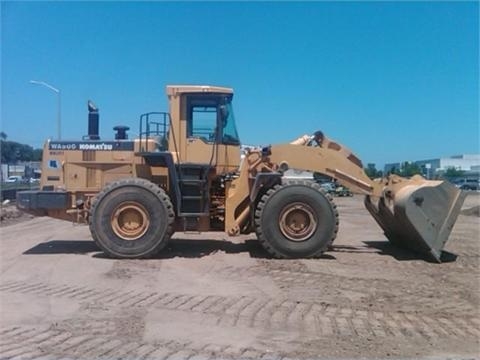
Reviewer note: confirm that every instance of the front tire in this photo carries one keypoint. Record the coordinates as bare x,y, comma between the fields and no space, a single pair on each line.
131,218
296,220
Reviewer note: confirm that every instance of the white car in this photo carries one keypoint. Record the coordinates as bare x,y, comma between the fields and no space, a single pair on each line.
14,179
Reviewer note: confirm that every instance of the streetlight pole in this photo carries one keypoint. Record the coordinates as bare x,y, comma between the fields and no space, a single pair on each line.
59,121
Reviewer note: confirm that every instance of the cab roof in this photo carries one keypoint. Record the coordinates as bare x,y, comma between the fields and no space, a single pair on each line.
181,89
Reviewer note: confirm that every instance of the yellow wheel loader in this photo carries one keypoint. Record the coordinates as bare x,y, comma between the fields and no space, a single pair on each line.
184,172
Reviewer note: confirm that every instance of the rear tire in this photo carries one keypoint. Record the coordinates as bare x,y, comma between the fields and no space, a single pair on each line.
296,220
131,218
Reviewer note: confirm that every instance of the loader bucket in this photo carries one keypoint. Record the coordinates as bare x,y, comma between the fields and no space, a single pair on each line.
417,214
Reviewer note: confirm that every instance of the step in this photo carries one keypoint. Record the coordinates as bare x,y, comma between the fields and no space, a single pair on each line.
192,181
189,215
193,197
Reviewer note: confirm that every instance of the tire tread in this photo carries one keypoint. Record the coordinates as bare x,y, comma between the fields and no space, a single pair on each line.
261,206
144,184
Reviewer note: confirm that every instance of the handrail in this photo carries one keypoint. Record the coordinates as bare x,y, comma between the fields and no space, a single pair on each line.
161,128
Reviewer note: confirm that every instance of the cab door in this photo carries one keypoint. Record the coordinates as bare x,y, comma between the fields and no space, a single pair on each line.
204,130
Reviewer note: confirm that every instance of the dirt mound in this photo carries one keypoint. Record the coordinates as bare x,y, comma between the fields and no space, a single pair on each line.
9,214
473,211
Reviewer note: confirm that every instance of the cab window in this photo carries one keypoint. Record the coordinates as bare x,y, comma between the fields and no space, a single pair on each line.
207,121
202,117
203,122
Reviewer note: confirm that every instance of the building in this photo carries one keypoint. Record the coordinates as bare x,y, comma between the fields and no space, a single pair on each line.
431,168
27,170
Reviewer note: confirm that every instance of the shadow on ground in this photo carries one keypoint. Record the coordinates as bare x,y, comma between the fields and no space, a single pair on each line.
199,248
63,247
186,248
401,254
193,248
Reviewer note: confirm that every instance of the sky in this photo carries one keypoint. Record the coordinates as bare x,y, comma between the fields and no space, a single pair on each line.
393,81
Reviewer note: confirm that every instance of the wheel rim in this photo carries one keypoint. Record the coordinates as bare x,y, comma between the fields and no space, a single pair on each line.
297,222
130,221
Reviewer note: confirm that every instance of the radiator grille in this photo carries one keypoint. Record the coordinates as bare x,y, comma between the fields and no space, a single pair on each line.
91,178
88,155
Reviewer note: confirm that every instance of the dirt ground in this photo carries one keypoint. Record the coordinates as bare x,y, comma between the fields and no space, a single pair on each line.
224,298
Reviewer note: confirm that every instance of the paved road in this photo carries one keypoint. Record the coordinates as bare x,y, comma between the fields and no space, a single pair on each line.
223,298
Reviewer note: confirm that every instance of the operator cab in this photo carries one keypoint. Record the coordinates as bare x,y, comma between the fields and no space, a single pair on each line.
210,118
197,141
204,129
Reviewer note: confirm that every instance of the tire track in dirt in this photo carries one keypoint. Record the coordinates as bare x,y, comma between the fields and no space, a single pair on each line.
310,318
32,342
424,297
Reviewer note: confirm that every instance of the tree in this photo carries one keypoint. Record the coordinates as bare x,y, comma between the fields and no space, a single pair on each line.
13,152
452,173
394,170
37,154
409,169
372,171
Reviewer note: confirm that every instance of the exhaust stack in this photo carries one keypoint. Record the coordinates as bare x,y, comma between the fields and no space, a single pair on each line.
93,120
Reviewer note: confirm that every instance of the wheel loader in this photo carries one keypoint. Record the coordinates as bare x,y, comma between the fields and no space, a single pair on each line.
184,171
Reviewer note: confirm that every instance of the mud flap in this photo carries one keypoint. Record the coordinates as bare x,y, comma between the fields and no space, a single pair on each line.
418,215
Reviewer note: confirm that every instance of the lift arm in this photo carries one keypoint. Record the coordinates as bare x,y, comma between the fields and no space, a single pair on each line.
414,213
